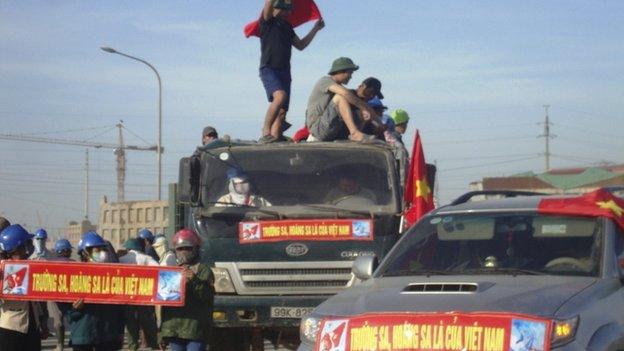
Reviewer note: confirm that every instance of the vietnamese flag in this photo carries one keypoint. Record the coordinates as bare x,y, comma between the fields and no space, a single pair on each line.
418,194
598,203
302,12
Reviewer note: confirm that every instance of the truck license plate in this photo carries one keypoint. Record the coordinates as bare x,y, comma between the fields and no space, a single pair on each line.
290,312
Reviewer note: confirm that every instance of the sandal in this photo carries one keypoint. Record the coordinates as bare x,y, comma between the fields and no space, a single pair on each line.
267,139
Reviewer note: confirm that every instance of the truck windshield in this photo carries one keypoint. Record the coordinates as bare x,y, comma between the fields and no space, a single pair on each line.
499,244
355,179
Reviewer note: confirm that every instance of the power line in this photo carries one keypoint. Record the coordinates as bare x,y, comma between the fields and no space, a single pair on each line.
470,141
488,164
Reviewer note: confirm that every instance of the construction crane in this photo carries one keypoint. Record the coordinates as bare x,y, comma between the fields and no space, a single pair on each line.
119,149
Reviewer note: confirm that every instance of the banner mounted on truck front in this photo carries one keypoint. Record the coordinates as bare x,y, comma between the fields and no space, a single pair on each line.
93,282
305,230
435,331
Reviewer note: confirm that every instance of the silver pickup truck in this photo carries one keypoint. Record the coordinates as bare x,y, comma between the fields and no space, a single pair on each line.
496,274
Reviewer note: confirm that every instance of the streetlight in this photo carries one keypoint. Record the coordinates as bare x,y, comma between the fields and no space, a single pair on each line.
158,146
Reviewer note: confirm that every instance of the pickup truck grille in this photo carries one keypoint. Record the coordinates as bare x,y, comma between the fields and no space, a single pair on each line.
289,278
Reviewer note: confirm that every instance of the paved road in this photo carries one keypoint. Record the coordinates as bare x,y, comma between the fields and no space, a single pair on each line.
50,344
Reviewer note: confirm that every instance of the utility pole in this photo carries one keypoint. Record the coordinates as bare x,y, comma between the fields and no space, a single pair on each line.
547,136
120,152
86,186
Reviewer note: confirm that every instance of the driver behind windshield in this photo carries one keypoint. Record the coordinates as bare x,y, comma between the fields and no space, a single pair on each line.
348,188
240,191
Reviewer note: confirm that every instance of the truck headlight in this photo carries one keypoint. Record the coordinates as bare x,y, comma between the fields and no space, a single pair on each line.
223,282
563,331
308,329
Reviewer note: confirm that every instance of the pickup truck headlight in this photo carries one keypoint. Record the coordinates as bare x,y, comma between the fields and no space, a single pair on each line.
223,282
563,331
308,329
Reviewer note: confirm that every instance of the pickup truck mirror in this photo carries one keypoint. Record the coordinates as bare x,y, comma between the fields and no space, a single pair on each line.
188,181
364,266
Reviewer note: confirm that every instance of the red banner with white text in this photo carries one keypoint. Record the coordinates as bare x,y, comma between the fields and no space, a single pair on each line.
305,230
435,331
93,282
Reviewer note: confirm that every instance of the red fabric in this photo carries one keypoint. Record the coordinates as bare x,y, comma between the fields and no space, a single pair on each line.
418,194
301,135
598,203
303,11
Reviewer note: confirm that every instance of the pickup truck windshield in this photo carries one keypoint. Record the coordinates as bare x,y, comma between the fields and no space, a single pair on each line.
355,179
499,244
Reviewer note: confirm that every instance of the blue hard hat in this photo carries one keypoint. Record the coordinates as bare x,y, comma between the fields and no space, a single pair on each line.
90,239
62,244
235,172
41,234
13,237
376,103
146,234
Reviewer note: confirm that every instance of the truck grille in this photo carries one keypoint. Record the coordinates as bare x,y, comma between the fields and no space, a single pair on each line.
289,278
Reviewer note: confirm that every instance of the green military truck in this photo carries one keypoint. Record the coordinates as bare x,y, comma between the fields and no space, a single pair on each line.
325,204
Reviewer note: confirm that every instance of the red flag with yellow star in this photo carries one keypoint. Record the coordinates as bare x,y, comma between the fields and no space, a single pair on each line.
598,203
418,193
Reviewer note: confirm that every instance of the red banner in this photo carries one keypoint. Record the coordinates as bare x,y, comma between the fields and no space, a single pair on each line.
435,331
305,229
95,283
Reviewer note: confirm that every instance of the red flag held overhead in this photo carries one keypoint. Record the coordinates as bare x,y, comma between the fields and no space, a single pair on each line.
303,11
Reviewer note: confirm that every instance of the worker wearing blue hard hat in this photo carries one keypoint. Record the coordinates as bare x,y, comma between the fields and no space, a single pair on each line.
146,238
41,251
140,317
22,323
62,251
95,326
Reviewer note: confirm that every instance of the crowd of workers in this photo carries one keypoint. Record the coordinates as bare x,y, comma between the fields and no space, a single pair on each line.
333,111
100,327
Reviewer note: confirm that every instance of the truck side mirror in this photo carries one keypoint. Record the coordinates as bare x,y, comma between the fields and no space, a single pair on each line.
188,182
364,266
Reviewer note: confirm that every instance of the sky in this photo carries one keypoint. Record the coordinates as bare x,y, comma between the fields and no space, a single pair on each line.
473,75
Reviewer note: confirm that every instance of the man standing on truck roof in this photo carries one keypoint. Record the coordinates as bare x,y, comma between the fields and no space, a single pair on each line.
277,37
330,105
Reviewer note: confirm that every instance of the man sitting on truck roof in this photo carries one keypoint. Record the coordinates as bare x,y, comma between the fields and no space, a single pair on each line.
240,192
329,106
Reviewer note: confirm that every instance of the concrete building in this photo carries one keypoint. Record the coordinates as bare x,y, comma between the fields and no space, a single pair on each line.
557,181
73,232
120,221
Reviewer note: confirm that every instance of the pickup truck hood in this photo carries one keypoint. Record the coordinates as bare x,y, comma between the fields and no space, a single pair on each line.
527,294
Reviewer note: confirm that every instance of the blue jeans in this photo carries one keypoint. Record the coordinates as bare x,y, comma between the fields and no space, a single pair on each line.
177,344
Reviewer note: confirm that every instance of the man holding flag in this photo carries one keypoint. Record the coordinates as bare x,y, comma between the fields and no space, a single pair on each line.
277,37
418,194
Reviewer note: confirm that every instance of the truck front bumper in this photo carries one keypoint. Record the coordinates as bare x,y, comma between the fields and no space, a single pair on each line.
238,311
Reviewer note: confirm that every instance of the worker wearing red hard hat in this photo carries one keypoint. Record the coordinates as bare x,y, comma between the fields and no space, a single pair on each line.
188,327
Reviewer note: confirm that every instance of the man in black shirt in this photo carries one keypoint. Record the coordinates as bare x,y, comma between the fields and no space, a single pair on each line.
277,38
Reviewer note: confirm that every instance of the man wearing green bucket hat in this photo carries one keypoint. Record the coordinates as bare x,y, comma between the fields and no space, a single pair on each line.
277,37
330,104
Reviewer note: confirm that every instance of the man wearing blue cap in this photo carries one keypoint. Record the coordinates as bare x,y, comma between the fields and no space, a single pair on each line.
240,192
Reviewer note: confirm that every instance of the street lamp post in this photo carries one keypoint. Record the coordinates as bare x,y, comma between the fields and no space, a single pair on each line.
158,145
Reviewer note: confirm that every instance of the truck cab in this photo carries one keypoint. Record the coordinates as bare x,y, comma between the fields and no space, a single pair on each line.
323,205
